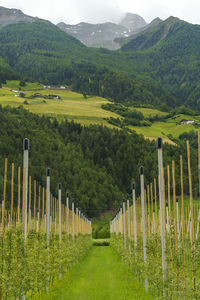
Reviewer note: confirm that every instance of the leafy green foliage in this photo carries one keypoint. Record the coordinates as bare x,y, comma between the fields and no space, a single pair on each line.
176,285
29,267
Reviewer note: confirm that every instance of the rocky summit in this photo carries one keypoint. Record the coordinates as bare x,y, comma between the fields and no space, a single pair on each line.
103,35
14,16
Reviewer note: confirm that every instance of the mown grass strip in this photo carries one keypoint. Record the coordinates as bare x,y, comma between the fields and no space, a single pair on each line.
100,276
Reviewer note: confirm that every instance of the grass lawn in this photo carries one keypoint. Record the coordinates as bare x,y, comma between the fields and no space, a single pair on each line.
101,276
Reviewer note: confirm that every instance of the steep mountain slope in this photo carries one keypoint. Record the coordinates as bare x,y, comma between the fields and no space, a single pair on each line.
96,35
44,52
133,22
14,16
170,54
152,36
125,40
103,35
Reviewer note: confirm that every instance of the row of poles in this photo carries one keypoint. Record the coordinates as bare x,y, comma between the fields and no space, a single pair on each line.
49,214
45,215
157,219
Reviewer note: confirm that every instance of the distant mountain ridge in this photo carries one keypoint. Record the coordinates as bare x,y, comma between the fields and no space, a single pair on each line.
152,35
139,31
13,16
158,65
103,35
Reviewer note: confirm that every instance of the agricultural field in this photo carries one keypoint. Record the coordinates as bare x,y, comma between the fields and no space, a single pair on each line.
86,111
72,106
170,126
166,227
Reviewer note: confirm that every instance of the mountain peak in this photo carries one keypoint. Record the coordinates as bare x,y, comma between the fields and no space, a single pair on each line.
156,21
133,22
4,10
10,16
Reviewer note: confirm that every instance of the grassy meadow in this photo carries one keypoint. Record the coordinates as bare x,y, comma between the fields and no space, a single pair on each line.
73,106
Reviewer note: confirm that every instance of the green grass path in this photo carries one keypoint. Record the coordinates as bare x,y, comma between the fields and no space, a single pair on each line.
101,276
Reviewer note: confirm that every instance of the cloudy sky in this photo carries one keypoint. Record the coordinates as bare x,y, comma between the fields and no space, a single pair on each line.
96,11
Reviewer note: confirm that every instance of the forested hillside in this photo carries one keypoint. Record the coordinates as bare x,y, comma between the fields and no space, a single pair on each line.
170,53
95,164
159,66
42,51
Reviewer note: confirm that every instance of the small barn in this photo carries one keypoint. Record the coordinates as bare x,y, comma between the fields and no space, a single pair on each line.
187,122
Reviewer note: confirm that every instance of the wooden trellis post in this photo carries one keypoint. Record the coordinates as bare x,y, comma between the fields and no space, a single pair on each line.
73,218
143,219
199,159
12,193
4,197
162,207
48,206
29,209
19,192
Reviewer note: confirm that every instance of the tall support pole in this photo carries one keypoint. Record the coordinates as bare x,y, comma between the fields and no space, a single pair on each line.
29,208
174,201
182,215
167,217
67,206
19,192
39,213
4,197
124,215
73,218
192,218
177,218
156,209
121,221
76,216
79,221
134,217
48,171
25,183
129,226
199,159
43,198
143,219
60,211
12,193
162,207
151,203
169,192
34,205
190,189
148,211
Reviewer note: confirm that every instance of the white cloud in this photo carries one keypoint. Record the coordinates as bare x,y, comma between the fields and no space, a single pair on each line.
94,11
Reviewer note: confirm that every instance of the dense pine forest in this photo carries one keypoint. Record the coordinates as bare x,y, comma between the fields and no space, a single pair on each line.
151,68
97,165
